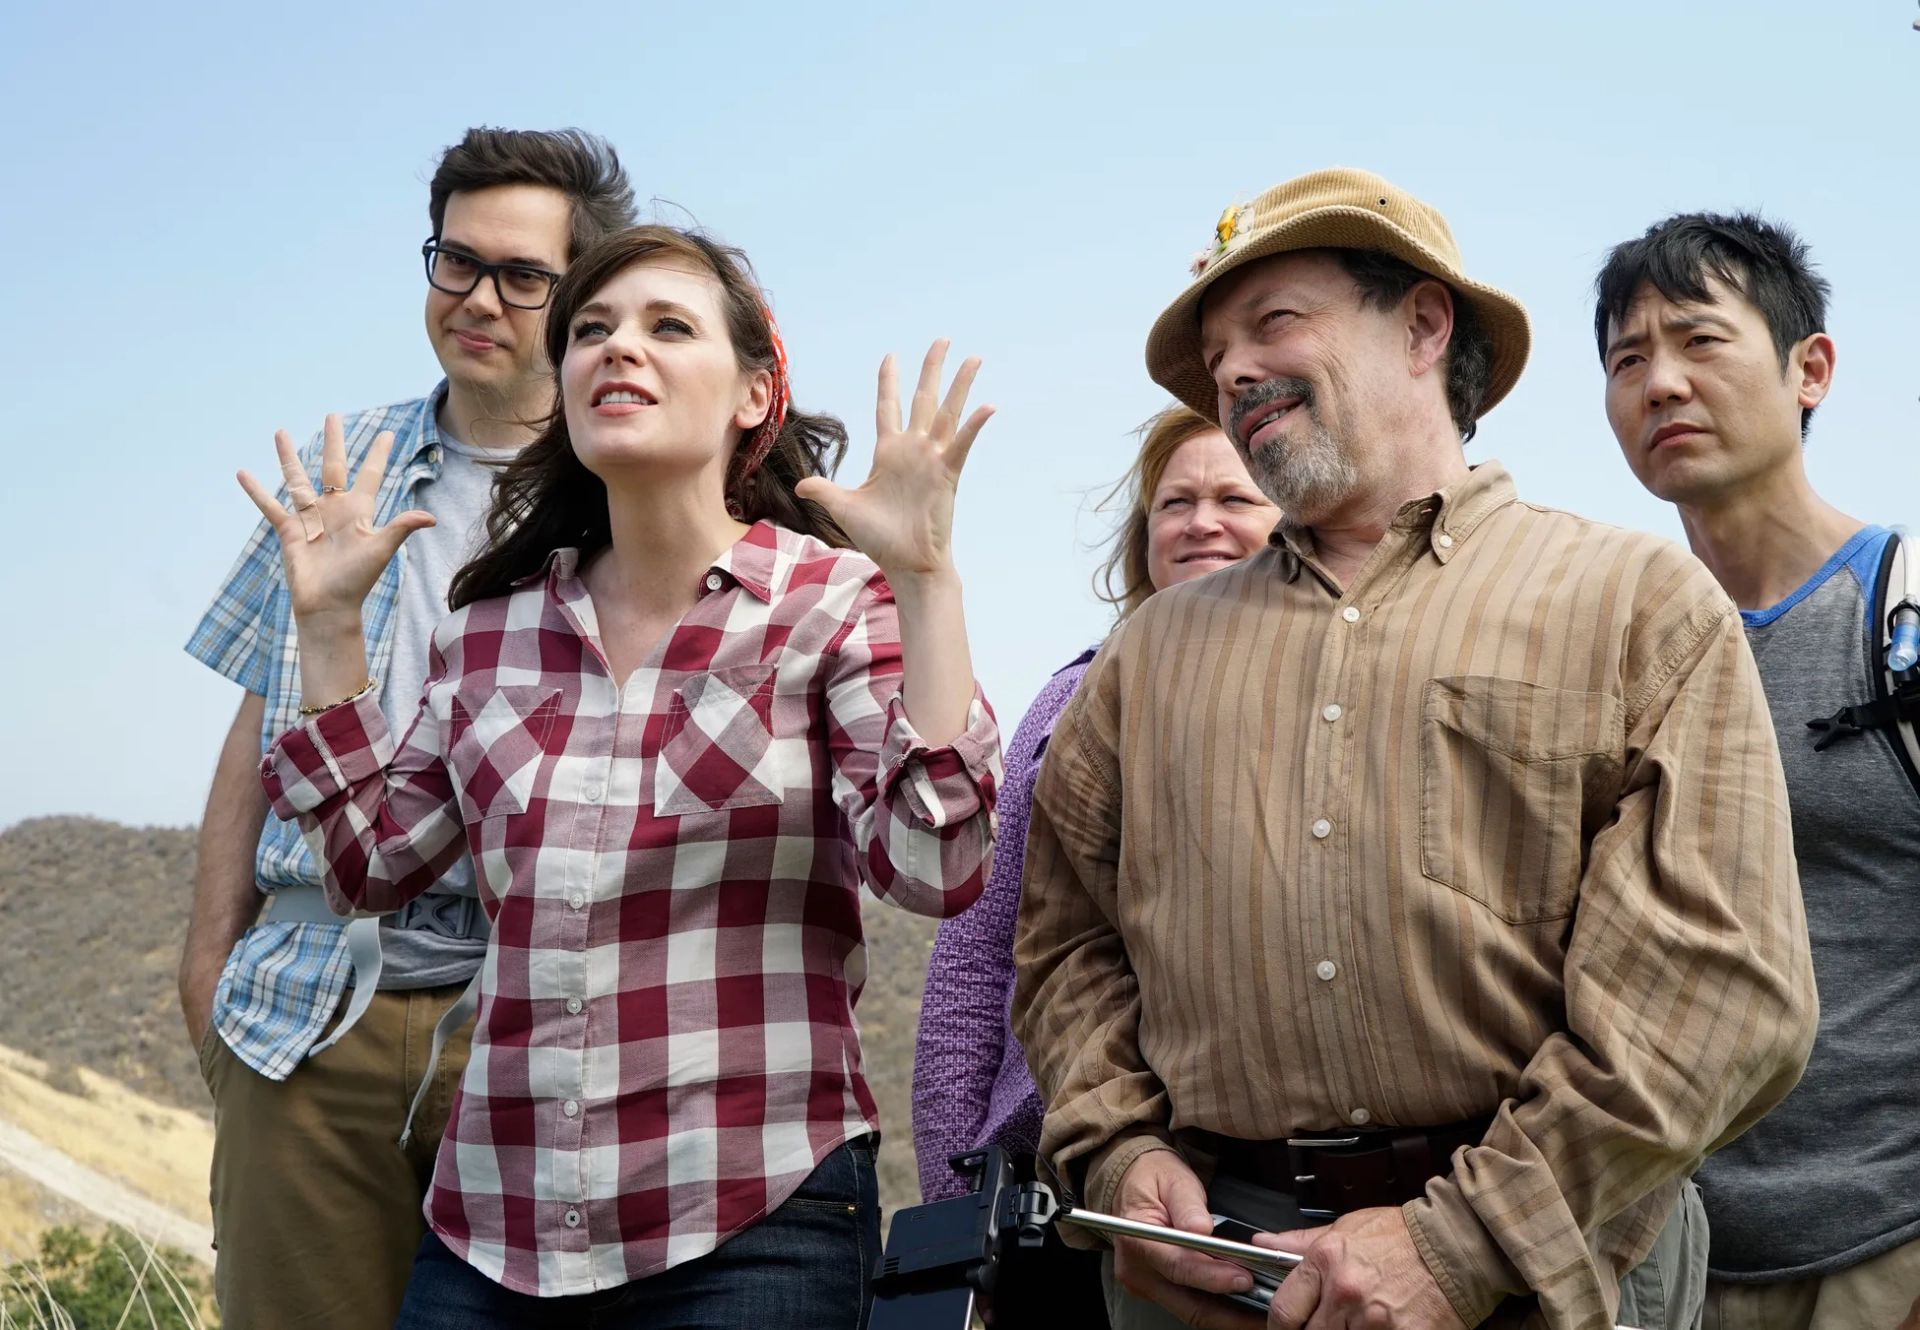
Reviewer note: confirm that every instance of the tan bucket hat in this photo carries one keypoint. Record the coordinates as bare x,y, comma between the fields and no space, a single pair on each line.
1338,208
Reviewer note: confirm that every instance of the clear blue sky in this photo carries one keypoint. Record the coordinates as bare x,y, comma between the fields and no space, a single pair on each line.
211,216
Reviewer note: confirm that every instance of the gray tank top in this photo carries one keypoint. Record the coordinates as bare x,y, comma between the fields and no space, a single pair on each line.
1831,1177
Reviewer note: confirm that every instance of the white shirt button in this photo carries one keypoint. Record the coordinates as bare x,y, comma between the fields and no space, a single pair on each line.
1351,614
571,1108
1331,711
573,1006
1322,828
573,1219
591,794
1326,969
1359,1117
576,900
1444,541
713,582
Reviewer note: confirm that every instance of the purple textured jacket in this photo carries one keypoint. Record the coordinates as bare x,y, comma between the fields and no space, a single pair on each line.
971,1087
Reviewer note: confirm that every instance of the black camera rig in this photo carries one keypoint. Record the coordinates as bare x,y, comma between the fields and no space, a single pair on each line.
944,1259
947,1259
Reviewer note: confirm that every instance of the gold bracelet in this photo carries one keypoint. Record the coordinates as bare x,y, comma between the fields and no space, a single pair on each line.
354,696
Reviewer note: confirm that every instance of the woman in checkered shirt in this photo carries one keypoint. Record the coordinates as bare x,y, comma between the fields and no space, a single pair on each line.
692,694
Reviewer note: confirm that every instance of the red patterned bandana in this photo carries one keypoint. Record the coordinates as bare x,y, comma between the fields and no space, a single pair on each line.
755,452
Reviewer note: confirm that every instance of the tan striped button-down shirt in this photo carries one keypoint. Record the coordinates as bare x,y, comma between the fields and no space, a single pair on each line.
1500,826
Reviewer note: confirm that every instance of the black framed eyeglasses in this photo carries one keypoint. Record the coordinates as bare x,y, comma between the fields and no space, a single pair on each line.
457,272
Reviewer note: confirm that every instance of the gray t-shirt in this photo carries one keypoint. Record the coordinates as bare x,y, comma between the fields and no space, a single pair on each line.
1831,1177
458,499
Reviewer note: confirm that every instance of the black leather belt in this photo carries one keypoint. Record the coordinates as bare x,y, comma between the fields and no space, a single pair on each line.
1331,1173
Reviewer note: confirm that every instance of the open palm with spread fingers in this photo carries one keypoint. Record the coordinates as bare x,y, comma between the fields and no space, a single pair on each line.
332,551
901,516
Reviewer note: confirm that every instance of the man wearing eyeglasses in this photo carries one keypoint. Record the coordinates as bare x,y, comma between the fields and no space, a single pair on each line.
314,1031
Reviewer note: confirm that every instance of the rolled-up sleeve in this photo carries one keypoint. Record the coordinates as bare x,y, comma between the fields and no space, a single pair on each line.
381,819
1690,1002
921,816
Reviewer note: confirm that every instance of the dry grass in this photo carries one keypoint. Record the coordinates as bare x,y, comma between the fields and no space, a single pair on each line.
164,1153
119,1282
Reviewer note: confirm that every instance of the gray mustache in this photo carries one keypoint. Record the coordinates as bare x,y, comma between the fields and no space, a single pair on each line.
1263,395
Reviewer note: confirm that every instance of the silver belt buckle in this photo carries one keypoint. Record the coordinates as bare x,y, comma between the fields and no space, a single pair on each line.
1306,1185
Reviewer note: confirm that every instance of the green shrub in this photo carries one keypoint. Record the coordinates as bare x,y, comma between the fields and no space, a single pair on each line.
115,1283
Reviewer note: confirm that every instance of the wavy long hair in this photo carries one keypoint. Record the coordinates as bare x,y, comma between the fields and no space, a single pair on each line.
545,498
1124,579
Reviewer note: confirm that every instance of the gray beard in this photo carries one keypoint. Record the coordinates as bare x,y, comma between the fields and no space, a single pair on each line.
1308,479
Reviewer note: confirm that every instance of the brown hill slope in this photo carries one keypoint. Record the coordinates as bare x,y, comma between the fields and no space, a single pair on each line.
91,918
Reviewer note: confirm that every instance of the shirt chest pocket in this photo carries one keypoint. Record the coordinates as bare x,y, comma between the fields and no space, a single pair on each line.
499,739
717,750
1515,779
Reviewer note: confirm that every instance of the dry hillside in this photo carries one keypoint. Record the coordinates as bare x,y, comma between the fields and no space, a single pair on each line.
91,917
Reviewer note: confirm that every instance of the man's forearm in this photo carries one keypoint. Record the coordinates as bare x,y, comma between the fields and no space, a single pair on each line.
225,900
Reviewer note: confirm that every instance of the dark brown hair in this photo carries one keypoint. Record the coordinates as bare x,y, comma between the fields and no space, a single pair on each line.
1384,281
1124,580
545,498
580,165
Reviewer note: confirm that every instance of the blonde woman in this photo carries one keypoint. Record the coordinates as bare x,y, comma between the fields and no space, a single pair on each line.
1191,508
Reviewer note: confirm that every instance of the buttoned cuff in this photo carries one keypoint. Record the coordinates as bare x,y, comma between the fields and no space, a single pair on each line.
317,761
1460,1253
948,785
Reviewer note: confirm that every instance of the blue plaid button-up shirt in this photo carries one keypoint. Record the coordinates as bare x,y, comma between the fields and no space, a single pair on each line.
283,981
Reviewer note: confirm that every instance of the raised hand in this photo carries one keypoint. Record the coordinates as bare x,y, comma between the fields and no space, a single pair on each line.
332,553
901,516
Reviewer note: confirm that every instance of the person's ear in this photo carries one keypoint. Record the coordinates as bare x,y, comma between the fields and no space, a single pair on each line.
1428,308
755,401
1812,364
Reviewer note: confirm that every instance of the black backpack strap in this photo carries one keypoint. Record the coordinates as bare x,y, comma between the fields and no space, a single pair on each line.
1894,709
1884,712
1902,735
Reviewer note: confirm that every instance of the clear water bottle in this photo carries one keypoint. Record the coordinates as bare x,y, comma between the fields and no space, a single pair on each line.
1904,649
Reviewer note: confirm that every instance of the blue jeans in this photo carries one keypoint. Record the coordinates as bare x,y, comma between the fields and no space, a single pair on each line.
806,1265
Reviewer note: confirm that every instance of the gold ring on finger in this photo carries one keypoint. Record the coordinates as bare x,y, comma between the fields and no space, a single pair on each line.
333,489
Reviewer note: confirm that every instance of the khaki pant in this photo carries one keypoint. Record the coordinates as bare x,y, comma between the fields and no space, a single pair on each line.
1873,1295
1663,1292
316,1208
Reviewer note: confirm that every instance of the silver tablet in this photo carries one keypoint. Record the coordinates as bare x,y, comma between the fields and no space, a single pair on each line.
1265,1259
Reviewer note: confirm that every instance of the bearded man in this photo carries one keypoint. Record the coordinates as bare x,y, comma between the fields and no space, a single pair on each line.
1421,889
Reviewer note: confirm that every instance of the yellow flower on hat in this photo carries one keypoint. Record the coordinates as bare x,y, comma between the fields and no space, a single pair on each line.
1235,224
1224,228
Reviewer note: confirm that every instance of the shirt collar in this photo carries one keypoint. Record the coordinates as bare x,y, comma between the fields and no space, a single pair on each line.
751,562
1453,514
1448,516
422,442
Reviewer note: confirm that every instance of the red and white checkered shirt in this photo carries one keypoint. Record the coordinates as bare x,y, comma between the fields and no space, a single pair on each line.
666,1044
